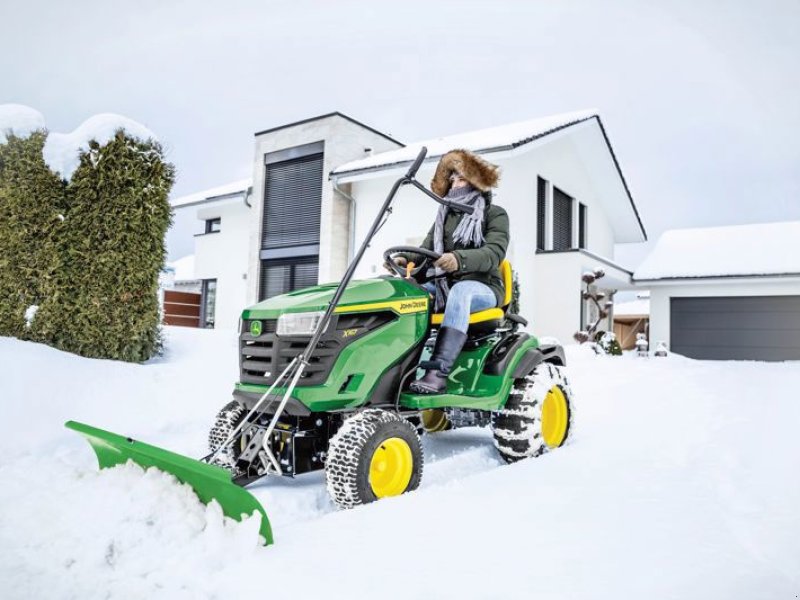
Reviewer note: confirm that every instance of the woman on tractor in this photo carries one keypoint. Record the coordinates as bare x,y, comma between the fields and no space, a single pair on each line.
465,279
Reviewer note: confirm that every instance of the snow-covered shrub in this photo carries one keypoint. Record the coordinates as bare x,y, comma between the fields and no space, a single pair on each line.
608,343
111,248
31,202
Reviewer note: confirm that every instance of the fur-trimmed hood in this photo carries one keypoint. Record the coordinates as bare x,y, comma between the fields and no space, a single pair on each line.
482,174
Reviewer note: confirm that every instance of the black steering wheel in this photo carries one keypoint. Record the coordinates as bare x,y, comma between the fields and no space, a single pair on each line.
428,257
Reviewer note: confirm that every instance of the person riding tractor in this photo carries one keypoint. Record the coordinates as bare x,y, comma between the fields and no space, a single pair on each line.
471,247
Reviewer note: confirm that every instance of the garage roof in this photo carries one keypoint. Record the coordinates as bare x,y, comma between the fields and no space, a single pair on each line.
731,251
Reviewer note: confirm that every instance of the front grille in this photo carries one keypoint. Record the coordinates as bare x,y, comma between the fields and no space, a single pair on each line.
262,359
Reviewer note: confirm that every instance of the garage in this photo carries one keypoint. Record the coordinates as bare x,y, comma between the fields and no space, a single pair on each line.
726,293
736,328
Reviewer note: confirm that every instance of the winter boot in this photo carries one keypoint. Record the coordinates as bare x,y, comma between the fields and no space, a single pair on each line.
449,342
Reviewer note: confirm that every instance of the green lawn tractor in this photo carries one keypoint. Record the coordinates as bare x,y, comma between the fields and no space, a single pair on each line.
324,375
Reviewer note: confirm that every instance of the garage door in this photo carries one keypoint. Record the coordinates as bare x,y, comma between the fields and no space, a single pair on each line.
736,328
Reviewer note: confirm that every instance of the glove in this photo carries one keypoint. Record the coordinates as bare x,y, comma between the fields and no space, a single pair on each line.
400,261
447,262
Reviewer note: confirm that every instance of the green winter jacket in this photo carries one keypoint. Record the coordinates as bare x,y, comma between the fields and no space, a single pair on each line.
474,264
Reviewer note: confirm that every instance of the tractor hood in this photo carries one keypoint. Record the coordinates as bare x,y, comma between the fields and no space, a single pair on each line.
381,292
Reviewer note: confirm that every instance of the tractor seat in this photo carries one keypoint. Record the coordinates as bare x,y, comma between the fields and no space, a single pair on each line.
486,321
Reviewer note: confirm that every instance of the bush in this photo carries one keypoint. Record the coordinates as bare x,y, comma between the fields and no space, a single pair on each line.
104,300
31,200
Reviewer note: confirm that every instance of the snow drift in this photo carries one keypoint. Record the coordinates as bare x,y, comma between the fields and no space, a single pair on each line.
681,482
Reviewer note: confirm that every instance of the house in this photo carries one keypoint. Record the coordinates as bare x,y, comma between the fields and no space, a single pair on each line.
726,292
318,183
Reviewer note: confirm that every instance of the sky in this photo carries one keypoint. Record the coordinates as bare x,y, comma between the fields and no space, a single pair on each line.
701,100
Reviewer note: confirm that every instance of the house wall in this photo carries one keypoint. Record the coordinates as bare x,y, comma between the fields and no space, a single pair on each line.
660,295
344,141
550,284
224,256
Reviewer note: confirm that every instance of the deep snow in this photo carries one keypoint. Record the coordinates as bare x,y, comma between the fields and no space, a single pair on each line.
680,482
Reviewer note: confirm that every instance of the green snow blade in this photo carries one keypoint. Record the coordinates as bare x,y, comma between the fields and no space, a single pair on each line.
208,481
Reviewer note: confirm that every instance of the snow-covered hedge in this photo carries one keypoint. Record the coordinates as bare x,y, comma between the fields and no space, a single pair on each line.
86,237
31,199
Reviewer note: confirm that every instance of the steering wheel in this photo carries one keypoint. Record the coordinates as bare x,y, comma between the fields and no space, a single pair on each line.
428,257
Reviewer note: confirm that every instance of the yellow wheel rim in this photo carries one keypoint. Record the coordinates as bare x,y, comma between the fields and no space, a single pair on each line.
555,417
391,467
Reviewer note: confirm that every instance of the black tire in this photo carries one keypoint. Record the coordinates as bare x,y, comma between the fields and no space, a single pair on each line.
351,450
517,428
225,422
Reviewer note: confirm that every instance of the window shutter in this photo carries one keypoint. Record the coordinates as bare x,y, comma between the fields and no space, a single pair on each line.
582,226
541,191
283,276
562,220
292,202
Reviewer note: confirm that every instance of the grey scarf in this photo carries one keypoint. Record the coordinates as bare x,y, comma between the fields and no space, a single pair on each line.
469,231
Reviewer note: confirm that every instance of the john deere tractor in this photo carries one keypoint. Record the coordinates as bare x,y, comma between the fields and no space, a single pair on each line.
324,375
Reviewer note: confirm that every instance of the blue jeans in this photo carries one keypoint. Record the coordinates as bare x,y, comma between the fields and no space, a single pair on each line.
465,297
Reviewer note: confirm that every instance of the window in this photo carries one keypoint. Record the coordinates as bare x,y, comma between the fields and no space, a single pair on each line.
208,302
213,225
581,225
562,220
541,198
290,227
285,275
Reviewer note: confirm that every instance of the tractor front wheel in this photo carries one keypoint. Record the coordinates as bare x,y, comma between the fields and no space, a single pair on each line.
537,416
375,454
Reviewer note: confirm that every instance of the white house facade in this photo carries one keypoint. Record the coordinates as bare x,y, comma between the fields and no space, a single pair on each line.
318,184
726,293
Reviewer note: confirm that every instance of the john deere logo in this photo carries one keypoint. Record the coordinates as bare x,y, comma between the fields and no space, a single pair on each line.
255,328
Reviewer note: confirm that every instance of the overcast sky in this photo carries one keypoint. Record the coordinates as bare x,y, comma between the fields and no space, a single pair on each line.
701,99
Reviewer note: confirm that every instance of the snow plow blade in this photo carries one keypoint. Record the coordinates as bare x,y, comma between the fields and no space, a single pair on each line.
208,481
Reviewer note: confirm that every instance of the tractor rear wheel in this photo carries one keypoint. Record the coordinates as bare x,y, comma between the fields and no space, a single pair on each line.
375,454
537,416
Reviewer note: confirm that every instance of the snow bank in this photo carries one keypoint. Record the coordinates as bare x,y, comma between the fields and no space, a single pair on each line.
676,485
62,150
737,250
19,120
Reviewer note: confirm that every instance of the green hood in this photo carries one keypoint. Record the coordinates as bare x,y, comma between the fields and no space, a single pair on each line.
364,291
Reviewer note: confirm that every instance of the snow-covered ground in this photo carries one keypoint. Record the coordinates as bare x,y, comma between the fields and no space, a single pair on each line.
681,481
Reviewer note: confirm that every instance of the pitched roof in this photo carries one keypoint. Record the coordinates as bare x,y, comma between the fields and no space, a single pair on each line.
221,191
492,139
325,116
762,249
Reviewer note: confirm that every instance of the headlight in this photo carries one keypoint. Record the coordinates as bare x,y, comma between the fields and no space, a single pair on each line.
299,323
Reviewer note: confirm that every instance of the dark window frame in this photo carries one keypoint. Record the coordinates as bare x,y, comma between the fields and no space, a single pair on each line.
205,321
582,224
213,225
541,212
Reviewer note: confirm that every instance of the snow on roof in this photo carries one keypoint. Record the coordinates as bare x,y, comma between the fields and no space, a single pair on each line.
184,268
235,187
634,308
738,250
62,150
493,138
19,120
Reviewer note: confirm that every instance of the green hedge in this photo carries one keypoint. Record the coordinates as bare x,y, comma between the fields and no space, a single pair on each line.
31,200
111,250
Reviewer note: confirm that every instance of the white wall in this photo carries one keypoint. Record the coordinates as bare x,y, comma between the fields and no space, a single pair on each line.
660,295
224,256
